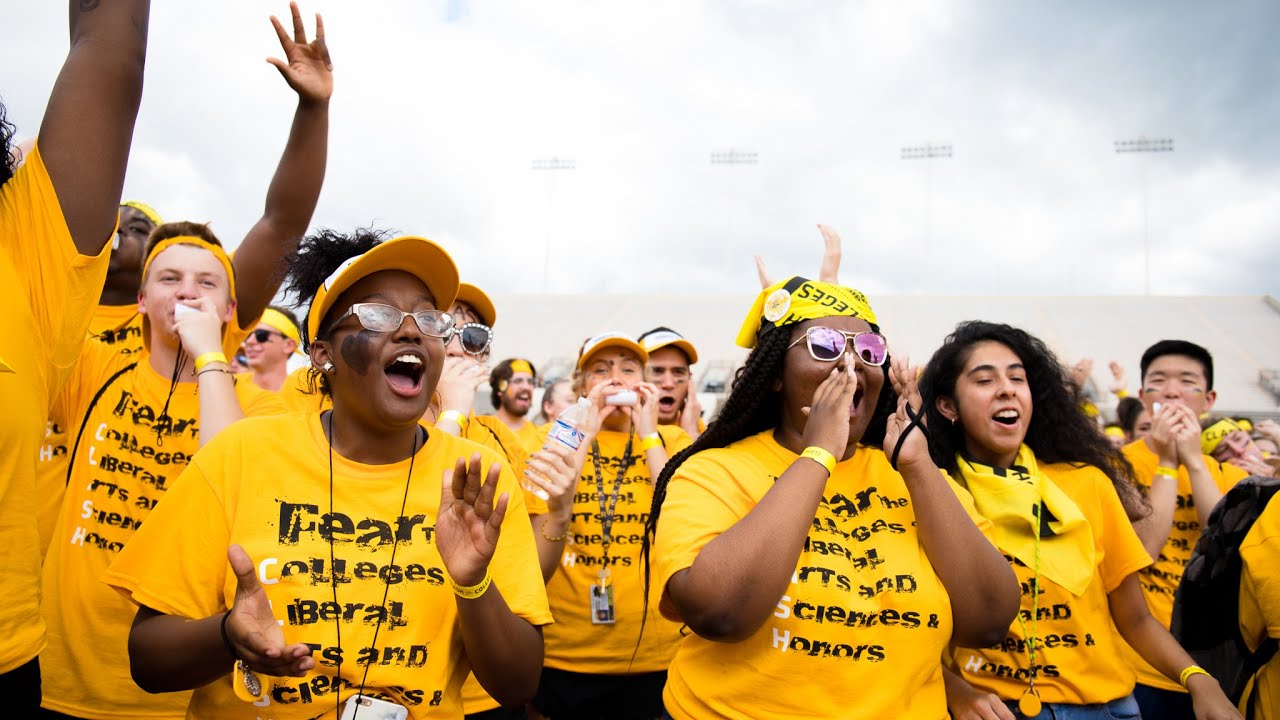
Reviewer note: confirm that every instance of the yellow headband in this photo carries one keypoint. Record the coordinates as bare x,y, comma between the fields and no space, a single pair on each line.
145,209
1113,431
1212,436
281,322
521,366
797,299
217,251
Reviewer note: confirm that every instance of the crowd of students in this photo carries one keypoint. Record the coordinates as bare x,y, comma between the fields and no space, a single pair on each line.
192,530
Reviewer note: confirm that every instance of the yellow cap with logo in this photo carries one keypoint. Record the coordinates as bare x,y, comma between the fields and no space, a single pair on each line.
797,299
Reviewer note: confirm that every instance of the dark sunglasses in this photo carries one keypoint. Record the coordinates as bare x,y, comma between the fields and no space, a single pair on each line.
263,336
828,344
475,338
385,318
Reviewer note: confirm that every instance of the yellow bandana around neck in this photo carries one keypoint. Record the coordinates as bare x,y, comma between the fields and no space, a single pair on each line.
1212,436
797,299
1009,498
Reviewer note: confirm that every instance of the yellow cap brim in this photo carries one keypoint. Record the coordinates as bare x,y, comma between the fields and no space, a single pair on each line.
611,341
476,298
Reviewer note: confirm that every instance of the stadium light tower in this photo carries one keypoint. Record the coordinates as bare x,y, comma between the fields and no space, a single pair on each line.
1145,146
555,164
731,159
928,152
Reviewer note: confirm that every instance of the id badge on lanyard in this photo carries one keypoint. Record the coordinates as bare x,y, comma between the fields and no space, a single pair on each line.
602,600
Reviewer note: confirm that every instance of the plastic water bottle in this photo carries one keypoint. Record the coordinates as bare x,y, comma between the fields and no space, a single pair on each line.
567,432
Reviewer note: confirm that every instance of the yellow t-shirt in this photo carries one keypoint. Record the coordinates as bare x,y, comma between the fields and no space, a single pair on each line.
48,291
1260,605
297,395
121,327
1078,653
264,484
530,436
863,625
1160,580
121,470
575,643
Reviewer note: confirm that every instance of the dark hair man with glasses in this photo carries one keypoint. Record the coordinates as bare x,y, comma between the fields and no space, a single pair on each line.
670,357
269,347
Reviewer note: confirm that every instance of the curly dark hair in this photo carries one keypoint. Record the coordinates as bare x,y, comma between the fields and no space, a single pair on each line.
7,132
753,406
1059,431
315,259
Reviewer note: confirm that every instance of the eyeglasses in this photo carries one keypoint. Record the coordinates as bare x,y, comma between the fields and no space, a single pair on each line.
384,318
475,338
262,336
828,344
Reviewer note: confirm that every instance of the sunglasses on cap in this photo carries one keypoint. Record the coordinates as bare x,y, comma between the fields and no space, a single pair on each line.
828,344
385,318
474,338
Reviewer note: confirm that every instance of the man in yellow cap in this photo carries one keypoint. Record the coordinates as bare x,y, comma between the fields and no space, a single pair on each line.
671,356
511,387
270,346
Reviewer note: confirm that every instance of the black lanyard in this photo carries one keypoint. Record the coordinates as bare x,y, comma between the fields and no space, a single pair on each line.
606,513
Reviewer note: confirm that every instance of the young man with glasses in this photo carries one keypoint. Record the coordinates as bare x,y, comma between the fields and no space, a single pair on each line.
269,347
670,358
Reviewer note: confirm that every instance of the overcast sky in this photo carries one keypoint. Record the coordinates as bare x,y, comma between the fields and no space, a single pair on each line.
442,106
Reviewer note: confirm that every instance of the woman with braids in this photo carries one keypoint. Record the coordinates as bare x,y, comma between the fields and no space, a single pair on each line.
1005,425
303,560
819,576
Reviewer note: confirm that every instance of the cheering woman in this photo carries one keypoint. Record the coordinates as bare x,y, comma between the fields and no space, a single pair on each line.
819,576
304,560
1062,499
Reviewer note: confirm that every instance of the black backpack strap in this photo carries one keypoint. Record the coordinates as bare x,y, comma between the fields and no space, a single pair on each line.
71,456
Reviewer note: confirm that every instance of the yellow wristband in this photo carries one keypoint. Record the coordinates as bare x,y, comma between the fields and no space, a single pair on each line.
1186,674
474,591
456,417
820,456
210,357
1167,471
650,441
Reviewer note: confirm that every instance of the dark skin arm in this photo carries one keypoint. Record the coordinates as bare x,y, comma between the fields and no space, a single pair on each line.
295,187
505,651
88,123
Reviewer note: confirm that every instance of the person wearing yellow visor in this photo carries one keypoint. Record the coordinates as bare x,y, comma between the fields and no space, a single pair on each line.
802,558
270,345
1062,500
58,212
1226,441
671,357
243,573
1182,484
607,654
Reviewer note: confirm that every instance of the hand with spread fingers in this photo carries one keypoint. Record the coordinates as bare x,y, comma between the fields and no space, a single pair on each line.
306,67
459,380
828,272
1117,378
827,425
905,436
252,629
469,520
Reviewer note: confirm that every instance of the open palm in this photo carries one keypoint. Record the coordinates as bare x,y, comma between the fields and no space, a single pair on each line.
469,521
306,67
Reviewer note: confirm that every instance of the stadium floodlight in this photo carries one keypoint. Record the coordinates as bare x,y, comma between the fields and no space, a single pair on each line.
1145,146
554,163
925,152
732,158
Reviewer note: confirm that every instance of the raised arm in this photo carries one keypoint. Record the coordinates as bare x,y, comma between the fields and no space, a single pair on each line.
295,188
88,124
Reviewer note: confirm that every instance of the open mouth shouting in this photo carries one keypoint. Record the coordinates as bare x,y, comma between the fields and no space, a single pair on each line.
405,372
1008,417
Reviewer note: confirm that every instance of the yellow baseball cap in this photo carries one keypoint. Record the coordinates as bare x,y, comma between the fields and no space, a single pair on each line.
417,256
476,298
661,337
595,344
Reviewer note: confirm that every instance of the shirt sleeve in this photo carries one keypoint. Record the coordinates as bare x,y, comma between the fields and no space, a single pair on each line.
176,563
1260,578
1122,550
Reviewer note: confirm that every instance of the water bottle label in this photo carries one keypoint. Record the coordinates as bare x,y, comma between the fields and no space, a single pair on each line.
566,435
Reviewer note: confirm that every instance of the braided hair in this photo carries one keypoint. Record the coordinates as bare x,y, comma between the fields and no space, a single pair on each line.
1059,431
753,406
314,260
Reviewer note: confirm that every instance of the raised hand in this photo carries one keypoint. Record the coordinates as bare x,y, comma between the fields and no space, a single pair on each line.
1117,378
306,67
254,632
1080,373
828,272
915,445
827,426
469,521
459,379
1186,435
1163,435
645,413
691,415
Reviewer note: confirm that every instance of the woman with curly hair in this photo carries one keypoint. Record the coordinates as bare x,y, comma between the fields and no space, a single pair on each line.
349,556
806,560
1062,499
